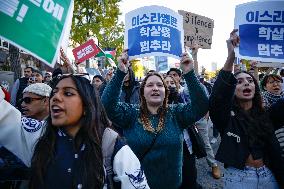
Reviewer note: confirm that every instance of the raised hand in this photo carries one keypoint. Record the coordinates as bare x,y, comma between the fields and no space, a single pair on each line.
186,63
194,50
123,62
233,41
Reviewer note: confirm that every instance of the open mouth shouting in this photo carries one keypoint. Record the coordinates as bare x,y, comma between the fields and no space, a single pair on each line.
247,92
56,111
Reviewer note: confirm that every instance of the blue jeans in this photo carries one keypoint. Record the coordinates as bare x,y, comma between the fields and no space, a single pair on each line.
249,178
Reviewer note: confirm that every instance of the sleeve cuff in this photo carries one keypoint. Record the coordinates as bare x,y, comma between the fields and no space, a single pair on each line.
227,77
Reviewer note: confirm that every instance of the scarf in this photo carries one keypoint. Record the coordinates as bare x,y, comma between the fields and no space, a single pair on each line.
270,98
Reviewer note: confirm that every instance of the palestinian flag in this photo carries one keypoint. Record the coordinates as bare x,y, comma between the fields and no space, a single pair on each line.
108,54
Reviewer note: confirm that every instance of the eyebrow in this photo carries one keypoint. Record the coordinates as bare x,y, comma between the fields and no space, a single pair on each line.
244,78
64,88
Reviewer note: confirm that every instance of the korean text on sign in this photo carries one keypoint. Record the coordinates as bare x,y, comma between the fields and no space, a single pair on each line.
153,31
85,51
261,28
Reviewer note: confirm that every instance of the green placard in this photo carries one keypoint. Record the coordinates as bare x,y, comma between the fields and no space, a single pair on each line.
37,26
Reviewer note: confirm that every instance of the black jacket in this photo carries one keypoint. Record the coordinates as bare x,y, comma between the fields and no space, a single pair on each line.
234,147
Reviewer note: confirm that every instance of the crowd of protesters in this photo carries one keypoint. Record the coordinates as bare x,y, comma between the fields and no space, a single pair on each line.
64,130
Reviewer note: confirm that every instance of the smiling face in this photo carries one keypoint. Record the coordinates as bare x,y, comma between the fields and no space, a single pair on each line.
245,89
66,105
273,85
154,91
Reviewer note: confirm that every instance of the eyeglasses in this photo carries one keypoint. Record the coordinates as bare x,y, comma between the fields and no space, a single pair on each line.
85,75
274,82
28,100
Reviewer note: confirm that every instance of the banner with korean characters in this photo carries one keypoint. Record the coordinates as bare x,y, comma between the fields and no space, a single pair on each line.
197,29
85,51
261,30
153,31
36,26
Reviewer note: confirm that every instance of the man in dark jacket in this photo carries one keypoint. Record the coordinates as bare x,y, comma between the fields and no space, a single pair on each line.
19,85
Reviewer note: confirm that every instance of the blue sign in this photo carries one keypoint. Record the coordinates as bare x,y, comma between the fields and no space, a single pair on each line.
261,29
153,31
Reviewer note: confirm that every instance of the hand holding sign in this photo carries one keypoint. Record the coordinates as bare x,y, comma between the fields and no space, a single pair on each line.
186,63
194,50
233,41
123,62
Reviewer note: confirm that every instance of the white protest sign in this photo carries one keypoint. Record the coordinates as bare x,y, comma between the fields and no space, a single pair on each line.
197,29
153,31
261,30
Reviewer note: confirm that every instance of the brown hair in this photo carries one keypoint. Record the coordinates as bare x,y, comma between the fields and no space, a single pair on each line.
176,83
144,109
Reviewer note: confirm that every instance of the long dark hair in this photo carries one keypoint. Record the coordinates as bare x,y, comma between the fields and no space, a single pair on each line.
144,112
259,127
90,134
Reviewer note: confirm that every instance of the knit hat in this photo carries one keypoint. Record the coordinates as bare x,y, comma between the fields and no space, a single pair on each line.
40,89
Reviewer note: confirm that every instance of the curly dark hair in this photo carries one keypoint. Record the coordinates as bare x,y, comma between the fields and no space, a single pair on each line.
94,121
258,127
144,112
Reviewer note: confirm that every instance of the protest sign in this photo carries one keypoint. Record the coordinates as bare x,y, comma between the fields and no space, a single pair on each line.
153,31
197,29
261,29
85,51
36,26
161,64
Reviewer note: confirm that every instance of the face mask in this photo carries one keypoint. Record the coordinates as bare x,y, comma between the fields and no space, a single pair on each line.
172,90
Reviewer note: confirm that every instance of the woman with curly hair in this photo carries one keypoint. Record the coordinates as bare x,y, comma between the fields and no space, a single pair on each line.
153,128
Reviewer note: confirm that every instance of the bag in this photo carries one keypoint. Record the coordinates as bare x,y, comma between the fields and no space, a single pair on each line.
108,143
198,146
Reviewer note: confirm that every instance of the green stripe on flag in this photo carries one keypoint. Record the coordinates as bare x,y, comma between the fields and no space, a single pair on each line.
106,54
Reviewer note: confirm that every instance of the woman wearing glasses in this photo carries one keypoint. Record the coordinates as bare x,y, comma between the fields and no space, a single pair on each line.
272,89
154,129
74,148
